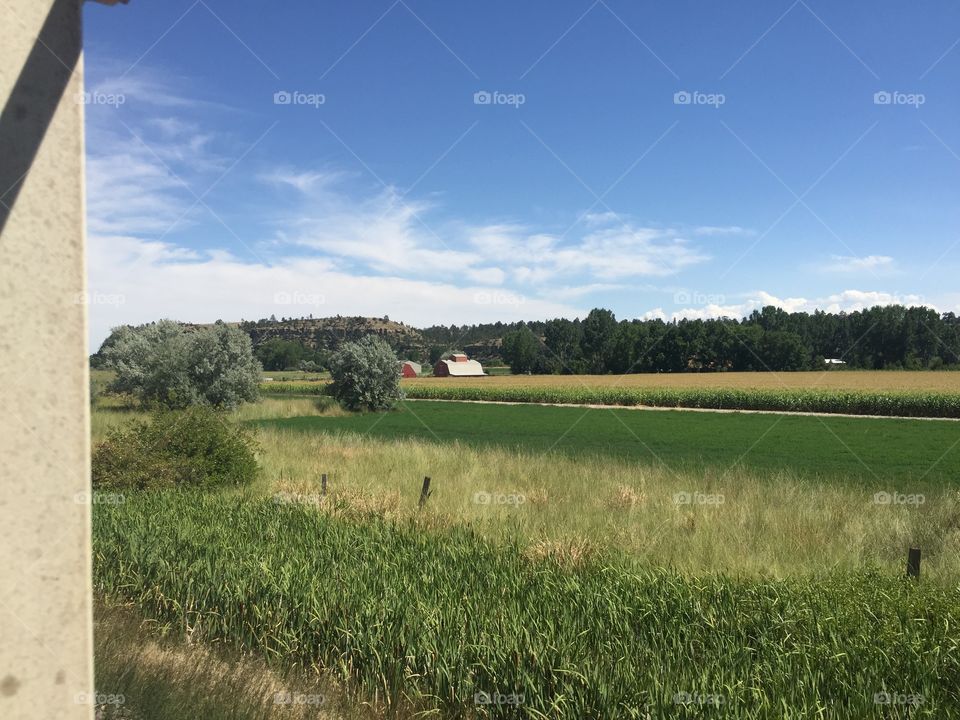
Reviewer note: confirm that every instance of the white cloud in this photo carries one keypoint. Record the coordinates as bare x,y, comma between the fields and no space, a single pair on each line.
158,280
603,254
571,292
724,230
129,191
844,301
869,263
305,181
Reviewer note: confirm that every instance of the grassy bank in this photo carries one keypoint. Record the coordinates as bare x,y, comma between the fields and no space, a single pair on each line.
421,616
153,671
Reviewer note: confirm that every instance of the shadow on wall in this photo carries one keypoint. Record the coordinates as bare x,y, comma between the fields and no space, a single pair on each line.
34,99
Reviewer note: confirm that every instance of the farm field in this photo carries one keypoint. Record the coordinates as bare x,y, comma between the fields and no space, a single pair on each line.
427,619
879,380
873,394
898,452
577,577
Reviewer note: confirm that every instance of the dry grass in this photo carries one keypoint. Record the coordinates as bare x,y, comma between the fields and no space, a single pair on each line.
144,672
890,380
110,412
744,522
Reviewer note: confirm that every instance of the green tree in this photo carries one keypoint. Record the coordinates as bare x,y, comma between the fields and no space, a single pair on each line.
521,350
597,344
278,354
562,338
164,364
782,351
366,375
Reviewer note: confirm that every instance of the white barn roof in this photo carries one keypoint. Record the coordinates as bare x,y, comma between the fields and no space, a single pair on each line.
463,368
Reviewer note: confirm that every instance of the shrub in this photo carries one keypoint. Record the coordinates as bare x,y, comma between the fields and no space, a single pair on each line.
164,364
366,375
193,447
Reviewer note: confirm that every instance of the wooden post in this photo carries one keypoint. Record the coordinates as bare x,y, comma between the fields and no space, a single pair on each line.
323,484
913,563
424,492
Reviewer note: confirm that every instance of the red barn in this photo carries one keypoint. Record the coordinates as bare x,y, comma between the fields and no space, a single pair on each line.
410,369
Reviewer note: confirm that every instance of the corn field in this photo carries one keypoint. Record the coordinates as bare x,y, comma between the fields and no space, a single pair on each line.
418,618
849,402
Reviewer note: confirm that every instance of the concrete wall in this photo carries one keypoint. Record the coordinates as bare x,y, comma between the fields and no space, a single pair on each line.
45,622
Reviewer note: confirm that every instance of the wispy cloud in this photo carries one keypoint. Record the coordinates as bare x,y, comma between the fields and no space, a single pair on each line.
869,263
721,230
163,280
387,233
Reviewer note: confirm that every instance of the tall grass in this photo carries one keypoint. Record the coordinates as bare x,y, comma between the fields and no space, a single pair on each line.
749,522
152,671
444,619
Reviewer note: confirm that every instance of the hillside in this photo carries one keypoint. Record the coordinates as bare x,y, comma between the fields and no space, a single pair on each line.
329,333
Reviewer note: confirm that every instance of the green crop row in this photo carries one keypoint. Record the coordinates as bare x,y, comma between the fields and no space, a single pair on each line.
850,402
901,404
424,619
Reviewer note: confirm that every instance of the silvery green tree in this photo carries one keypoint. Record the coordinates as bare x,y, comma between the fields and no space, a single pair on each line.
366,375
165,364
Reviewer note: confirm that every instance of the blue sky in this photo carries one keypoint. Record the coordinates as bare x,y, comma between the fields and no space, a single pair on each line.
450,162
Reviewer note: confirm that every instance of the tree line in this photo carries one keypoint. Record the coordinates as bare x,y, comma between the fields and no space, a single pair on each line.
878,338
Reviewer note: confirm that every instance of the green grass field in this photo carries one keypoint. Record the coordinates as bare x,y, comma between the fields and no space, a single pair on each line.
907,453
597,595
426,619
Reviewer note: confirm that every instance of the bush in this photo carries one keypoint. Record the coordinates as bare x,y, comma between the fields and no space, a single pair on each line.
164,364
194,447
366,375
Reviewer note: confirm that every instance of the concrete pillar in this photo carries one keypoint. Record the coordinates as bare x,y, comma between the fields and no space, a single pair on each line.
46,667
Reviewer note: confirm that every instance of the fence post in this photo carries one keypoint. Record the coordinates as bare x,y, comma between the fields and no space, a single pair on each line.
913,563
424,492
323,484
